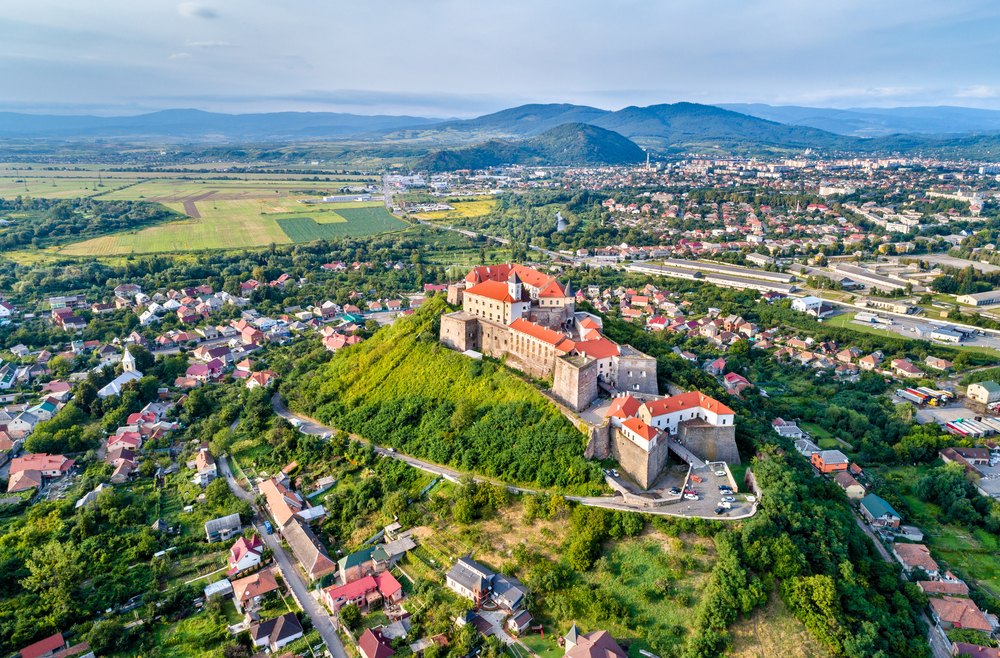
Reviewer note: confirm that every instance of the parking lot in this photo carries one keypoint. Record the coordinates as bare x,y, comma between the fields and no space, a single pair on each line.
940,415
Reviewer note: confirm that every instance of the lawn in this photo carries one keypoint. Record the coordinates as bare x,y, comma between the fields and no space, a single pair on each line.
298,227
195,637
192,567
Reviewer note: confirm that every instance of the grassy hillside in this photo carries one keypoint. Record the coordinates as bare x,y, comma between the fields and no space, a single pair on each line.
568,144
403,389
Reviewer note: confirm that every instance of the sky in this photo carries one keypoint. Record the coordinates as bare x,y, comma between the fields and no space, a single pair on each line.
463,58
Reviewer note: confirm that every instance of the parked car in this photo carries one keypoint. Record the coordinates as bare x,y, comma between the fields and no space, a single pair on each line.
696,478
691,491
729,499
726,505
720,510
614,472
721,474
691,496
725,487
675,490
267,527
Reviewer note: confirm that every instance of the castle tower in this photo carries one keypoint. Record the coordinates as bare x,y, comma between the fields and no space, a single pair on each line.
128,362
514,286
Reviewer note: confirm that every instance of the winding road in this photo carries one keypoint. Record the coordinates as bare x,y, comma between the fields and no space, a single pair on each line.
311,426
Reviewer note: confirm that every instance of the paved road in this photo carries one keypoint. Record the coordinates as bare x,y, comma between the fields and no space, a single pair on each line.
310,426
316,611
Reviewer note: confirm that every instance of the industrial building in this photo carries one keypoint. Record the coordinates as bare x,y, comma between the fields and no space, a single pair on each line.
710,277
980,298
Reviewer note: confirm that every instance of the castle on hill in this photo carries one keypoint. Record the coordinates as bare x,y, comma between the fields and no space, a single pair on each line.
530,319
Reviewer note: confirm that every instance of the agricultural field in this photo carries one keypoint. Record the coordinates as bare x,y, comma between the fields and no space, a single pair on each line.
239,224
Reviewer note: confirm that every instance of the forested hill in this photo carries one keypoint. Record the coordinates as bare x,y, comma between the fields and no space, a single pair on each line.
401,388
568,144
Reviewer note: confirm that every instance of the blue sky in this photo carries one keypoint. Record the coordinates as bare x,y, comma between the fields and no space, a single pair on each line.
445,58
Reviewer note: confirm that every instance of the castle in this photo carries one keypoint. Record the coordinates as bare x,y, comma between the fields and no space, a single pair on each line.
530,319
639,434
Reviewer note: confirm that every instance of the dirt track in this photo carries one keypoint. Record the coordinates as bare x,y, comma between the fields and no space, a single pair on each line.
190,209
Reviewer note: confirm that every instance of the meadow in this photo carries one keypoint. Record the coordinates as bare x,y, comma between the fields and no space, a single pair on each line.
462,209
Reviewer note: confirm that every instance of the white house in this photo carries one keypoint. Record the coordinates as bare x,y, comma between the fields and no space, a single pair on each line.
808,304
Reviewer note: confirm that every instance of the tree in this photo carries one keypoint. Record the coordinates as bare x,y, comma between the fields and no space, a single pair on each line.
217,493
350,616
55,571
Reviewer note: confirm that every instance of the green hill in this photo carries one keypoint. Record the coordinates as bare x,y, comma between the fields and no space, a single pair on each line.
401,388
567,144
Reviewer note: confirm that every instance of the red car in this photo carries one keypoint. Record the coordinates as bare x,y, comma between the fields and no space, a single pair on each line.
696,478
691,491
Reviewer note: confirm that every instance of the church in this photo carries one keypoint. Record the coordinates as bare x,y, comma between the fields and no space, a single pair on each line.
529,319
129,374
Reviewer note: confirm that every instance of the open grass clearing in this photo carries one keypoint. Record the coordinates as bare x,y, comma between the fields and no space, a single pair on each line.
358,222
774,632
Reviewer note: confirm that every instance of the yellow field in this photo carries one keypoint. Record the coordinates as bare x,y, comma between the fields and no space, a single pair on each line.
476,208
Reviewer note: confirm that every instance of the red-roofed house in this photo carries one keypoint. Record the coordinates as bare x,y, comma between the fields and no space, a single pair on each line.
666,413
623,407
642,434
245,553
364,592
260,379
373,645
43,648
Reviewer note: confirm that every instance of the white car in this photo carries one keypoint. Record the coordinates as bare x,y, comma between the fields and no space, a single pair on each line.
691,496
751,499
614,472
721,474
728,499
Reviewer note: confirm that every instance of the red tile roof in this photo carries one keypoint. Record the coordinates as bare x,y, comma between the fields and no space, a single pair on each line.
492,290
543,334
372,645
599,348
688,400
42,647
623,407
962,613
642,429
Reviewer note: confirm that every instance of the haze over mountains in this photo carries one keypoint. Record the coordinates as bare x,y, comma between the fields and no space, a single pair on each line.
664,128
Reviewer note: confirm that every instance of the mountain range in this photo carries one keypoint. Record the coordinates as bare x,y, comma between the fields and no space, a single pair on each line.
877,122
665,128
566,144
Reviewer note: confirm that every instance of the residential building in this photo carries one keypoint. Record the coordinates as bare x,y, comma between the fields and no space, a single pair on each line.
984,392
916,556
44,648
472,580
245,554
33,470
829,461
953,612
904,368
307,549
248,592
372,644
364,592
285,504
938,587
854,489
974,650
596,644
276,633
223,528
879,513
788,429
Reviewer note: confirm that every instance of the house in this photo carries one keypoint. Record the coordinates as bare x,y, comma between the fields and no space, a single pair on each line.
788,429
806,448
286,504
520,622
24,422
973,650
938,364
716,367
276,633
372,644
207,469
869,362
953,612
596,644
248,592
984,392
364,592
904,368
936,587
828,461
223,528
357,565
476,582
879,513
854,489
261,379
44,648
307,549
245,554
32,470
916,556
423,644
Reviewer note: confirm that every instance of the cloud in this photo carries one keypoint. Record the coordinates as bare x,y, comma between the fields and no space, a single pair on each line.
981,91
179,56
194,10
211,44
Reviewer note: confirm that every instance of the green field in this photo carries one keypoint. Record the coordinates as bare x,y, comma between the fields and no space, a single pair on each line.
354,222
242,223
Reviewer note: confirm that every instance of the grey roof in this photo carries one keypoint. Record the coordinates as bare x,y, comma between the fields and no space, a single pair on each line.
223,523
833,457
277,629
471,574
508,591
399,546
221,587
